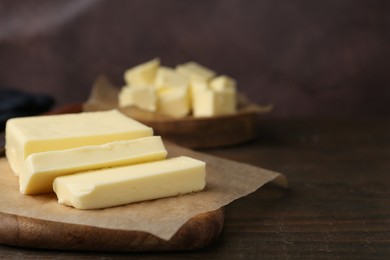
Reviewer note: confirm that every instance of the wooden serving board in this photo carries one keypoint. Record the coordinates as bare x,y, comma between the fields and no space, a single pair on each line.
203,229
198,232
16,230
19,229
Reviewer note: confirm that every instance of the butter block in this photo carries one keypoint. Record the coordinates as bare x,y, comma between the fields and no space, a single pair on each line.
40,169
199,86
219,99
28,135
141,97
213,103
222,83
128,184
168,77
174,101
195,71
143,74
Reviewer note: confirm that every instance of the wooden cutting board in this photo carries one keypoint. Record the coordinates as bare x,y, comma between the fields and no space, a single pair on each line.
19,230
198,232
15,230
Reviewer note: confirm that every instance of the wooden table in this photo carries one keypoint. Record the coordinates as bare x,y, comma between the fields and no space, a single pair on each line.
337,206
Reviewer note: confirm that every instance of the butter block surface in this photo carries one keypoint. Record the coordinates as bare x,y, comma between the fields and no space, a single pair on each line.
128,184
143,74
28,135
168,77
199,86
195,71
40,169
141,97
222,83
174,101
213,103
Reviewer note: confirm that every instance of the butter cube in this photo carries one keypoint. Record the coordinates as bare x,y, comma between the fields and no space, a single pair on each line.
174,101
167,77
195,71
128,184
28,135
223,83
213,103
219,99
143,74
40,169
199,86
141,97
195,87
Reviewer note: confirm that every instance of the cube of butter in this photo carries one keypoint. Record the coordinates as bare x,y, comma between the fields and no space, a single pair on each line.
28,135
195,72
127,184
213,103
40,169
141,97
143,74
219,99
223,83
199,86
167,77
174,101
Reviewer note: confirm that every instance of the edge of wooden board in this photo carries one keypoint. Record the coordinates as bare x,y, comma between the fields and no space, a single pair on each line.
199,232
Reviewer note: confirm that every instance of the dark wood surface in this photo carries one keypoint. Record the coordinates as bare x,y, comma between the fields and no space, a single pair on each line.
337,206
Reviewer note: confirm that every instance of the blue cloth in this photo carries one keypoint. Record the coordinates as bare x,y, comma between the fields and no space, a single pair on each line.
16,103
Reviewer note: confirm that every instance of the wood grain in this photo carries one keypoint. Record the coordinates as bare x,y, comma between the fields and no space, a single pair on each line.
198,232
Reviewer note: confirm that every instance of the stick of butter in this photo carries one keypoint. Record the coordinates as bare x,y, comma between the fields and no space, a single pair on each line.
127,184
28,135
41,169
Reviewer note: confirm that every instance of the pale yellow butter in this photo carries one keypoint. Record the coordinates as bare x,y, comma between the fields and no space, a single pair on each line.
203,103
222,83
143,74
174,101
189,88
219,99
28,135
195,72
167,77
128,184
213,103
141,97
41,169
199,86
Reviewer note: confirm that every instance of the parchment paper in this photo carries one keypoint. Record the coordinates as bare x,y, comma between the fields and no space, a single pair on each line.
226,181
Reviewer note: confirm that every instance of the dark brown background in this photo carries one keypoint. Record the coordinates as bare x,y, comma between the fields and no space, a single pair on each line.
308,58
